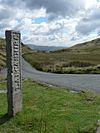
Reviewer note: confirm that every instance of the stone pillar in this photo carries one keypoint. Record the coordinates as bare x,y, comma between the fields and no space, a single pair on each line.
14,90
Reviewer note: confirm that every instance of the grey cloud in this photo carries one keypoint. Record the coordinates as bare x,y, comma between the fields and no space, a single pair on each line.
57,28
6,14
57,8
51,38
18,27
2,25
54,8
73,38
95,14
90,23
13,3
54,29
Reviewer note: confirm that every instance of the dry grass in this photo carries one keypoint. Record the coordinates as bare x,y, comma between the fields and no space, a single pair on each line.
79,57
25,49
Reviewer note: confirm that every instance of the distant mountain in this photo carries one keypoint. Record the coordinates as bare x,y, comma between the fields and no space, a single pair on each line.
44,48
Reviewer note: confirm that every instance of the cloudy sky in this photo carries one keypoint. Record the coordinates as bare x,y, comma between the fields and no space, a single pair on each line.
51,22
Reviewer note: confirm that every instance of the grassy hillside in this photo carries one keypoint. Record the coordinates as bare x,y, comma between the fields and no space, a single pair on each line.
2,53
25,49
81,58
90,44
52,110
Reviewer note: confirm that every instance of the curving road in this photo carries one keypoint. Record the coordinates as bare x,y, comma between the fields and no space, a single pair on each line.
75,82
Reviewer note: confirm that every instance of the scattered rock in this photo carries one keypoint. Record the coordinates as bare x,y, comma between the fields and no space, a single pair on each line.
98,124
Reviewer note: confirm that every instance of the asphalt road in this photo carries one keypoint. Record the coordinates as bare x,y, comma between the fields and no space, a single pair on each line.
75,82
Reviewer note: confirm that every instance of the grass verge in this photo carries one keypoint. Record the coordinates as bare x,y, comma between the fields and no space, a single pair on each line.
52,110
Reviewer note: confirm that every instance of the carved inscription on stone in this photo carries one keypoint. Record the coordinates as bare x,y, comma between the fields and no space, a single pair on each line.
16,61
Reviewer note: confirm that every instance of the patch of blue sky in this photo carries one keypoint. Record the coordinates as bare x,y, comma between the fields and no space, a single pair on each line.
40,20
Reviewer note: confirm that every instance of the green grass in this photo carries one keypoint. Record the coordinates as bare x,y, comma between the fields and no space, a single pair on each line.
52,110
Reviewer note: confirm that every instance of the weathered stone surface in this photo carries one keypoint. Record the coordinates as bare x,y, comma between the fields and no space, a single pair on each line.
14,92
98,129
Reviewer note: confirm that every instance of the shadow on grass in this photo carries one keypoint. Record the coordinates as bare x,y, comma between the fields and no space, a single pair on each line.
4,118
